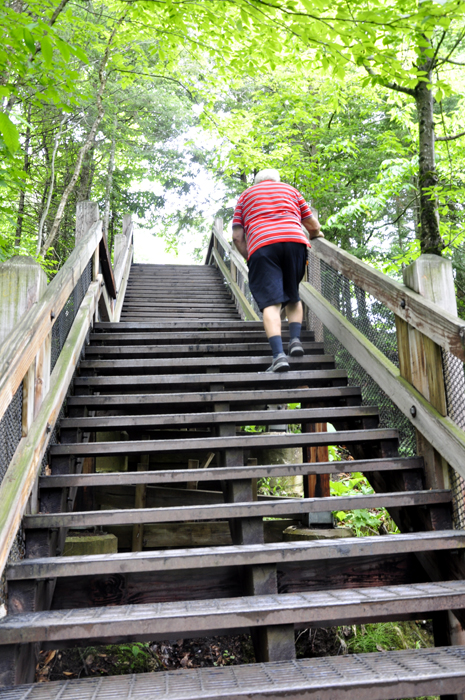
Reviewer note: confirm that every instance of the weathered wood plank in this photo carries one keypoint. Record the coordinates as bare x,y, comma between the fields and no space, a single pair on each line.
444,328
333,396
257,509
253,363
174,476
164,620
211,444
237,555
295,378
132,351
445,436
236,417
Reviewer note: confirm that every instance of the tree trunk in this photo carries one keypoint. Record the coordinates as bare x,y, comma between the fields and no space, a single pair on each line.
22,196
85,179
109,183
430,239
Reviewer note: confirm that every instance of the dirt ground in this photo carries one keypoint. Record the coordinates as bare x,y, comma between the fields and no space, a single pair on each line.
170,655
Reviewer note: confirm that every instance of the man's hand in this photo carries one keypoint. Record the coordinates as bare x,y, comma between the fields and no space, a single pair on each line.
239,240
318,234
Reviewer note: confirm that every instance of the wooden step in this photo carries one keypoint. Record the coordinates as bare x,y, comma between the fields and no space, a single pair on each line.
270,417
331,395
159,621
376,676
148,303
212,444
179,337
166,316
134,293
191,349
255,363
179,326
236,555
295,378
177,476
253,509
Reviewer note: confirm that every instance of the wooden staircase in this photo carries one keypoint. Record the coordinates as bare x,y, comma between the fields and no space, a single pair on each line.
159,401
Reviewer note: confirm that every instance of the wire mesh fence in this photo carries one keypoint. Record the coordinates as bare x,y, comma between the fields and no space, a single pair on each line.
454,377
65,319
377,323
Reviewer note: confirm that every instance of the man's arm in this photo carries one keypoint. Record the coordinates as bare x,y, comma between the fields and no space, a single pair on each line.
239,240
313,227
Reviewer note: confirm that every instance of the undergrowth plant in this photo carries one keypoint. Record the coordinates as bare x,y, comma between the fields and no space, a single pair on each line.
366,521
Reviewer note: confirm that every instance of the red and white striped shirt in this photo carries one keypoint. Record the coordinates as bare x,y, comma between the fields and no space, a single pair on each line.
271,212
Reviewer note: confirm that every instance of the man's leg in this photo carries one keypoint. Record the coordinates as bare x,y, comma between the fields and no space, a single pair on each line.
272,323
295,316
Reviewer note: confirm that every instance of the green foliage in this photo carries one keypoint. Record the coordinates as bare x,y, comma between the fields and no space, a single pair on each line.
388,636
135,657
362,521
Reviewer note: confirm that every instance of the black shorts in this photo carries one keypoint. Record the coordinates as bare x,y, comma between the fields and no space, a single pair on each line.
275,272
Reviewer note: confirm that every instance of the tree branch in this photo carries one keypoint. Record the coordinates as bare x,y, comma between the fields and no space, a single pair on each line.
456,63
391,86
450,138
58,11
156,75
447,58
391,223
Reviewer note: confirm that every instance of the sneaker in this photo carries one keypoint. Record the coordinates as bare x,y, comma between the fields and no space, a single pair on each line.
295,348
279,364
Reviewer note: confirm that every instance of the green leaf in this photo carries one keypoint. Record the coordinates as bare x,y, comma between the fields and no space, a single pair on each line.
9,133
29,40
64,49
47,50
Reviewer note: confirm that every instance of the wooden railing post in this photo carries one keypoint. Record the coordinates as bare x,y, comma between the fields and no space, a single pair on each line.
421,363
87,213
420,358
22,283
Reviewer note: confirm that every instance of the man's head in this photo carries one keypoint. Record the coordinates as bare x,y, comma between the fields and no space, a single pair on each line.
269,174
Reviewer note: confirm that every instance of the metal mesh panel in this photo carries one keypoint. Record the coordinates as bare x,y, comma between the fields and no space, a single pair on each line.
377,323
454,378
10,436
68,313
10,431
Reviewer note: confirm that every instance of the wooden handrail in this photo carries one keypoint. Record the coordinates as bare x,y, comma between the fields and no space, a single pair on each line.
20,348
247,309
121,263
443,328
237,263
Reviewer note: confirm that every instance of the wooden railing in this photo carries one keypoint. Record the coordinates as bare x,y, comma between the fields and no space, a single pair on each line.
25,357
236,264
423,329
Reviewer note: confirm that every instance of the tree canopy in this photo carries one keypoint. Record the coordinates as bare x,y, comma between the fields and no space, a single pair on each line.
131,102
